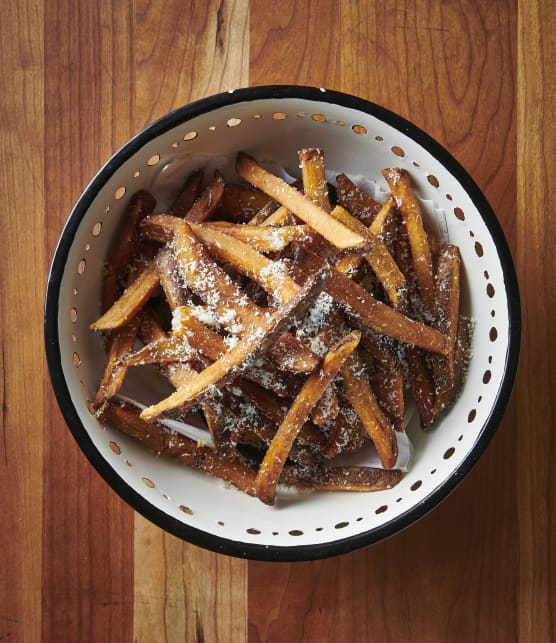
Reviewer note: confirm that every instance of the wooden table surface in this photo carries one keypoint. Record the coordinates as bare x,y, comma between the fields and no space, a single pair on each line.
78,78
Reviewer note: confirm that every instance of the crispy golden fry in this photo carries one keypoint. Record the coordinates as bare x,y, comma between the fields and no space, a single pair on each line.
356,200
259,237
360,395
280,217
132,300
125,419
401,186
333,231
313,173
115,370
327,408
383,215
189,193
269,274
124,246
379,316
311,391
378,257
342,478
251,344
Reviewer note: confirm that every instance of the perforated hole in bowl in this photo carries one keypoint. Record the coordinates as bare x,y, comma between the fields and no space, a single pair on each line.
301,519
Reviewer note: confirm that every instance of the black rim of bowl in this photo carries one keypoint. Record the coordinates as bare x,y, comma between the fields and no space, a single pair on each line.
139,503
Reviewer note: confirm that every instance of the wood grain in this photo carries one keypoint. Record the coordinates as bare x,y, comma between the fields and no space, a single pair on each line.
423,61
22,261
536,239
77,80
87,529
181,591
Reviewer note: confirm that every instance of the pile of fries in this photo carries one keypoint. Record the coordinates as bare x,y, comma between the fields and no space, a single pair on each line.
294,317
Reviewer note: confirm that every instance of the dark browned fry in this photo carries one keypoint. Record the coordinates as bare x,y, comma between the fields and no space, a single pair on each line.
422,385
311,391
115,370
241,203
356,201
189,193
123,248
124,418
360,395
401,186
342,478
205,206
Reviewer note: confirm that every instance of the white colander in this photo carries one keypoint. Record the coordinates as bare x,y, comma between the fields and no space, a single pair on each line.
272,124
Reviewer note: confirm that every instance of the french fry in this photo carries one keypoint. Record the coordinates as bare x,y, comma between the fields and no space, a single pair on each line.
356,200
205,206
378,257
115,370
360,395
175,292
123,248
188,194
342,478
252,344
387,380
125,419
379,316
422,385
267,273
275,457
327,408
313,174
259,237
447,311
333,231
383,215
132,300
401,186
240,203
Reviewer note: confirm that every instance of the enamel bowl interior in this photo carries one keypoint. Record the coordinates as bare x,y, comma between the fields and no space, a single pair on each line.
272,124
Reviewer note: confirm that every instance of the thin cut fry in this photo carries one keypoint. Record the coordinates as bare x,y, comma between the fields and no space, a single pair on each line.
259,237
360,395
447,310
123,248
401,186
378,257
205,206
275,457
189,193
379,316
422,385
342,478
333,231
115,370
313,174
130,302
356,200
175,292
